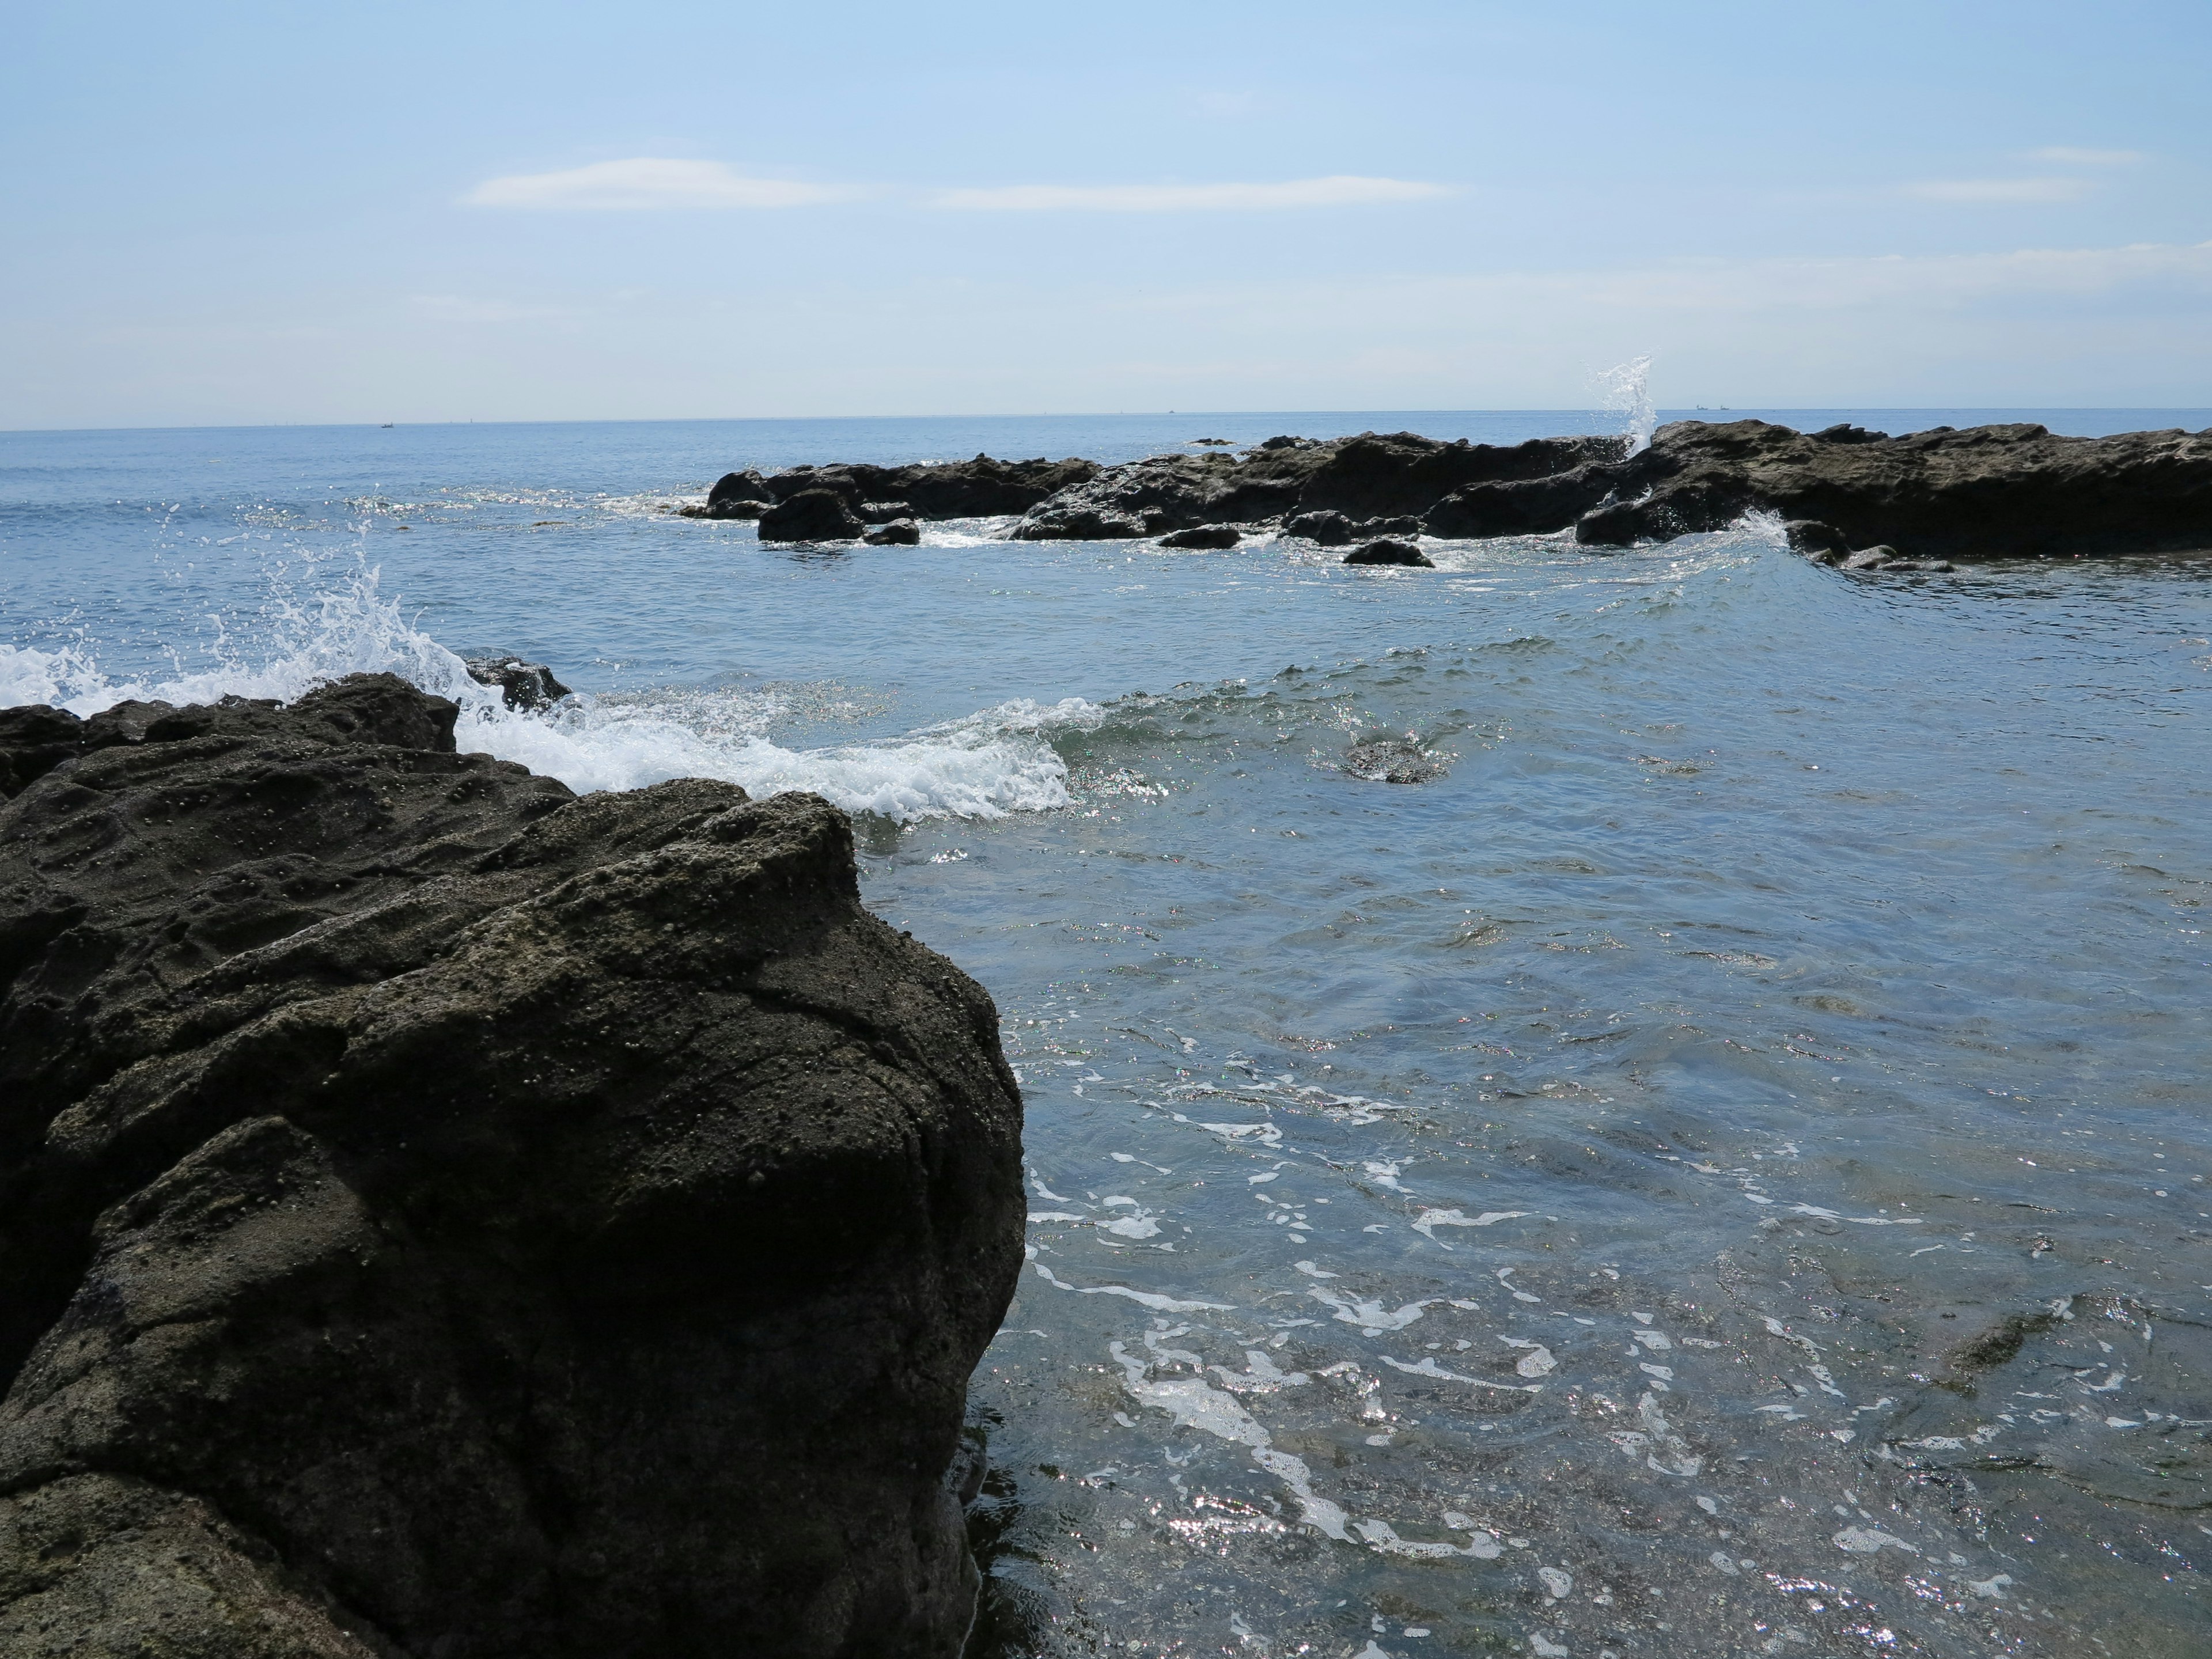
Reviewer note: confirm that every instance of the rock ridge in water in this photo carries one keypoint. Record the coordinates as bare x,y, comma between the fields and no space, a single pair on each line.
440,1214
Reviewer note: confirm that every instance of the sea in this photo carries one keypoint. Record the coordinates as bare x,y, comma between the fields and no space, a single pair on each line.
1651,1102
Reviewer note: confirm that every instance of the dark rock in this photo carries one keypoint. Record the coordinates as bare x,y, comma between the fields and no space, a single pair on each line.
1322,529
1208,536
1520,507
899,533
1394,478
1389,552
1384,757
982,488
882,512
1985,492
526,685
1213,443
443,1215
812,515
1869,558
733,488
739,509
1821,542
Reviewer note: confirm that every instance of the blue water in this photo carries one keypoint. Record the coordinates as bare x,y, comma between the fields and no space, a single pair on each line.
1537,1208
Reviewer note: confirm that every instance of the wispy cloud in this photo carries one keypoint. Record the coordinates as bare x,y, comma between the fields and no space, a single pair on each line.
1339,191
1998,190
2067,156
647,182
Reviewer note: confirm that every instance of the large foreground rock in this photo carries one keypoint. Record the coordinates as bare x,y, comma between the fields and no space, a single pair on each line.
442,1216
2015,491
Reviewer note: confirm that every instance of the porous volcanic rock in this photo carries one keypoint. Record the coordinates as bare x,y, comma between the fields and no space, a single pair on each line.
812,515
982,488
2010,491
443,1215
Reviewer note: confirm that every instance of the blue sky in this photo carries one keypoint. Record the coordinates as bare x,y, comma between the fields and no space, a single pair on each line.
257,213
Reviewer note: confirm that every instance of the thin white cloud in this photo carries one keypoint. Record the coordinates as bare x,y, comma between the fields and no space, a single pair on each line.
1998,190
2066,156
647,182
1338,191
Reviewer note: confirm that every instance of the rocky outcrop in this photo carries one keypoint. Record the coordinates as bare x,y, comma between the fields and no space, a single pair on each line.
2014,491
1357,481
812,515
441,1215
898,532
982,488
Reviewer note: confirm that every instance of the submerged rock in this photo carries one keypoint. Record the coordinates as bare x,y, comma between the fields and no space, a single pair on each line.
1389,552
526,685
899,533
1384,757
1204,537
812,515
440,1214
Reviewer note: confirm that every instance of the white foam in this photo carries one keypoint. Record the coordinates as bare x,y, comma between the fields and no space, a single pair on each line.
984,766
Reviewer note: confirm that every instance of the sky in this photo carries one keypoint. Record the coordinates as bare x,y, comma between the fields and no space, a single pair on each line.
246,214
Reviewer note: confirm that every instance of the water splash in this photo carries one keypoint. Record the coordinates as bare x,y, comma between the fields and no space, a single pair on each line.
1626,390
986,765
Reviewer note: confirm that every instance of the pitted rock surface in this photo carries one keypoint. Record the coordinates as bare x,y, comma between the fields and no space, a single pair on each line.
441,1214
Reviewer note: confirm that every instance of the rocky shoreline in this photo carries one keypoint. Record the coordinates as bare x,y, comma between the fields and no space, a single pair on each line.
443,1216
1861,499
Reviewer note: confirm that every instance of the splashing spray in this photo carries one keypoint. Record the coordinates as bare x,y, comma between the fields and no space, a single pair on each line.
1626,390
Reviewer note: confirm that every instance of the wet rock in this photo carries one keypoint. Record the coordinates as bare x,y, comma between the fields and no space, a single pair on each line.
981,487
899,533
2008,491
1394,477
734,489
812,515
1519,507
440,1214
1384,757
1389,552
526,685
1869,558
1207,536
1213,443
1322,529
1823,544
883,511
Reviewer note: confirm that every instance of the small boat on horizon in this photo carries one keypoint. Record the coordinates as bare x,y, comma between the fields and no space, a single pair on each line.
386,427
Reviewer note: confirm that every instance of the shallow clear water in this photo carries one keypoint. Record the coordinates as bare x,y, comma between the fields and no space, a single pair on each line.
1569,1203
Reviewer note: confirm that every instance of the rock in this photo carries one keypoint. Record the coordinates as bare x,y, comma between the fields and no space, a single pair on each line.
1389,552
1207,536
526,685
812,515
1322,529
1394,479
882,512
982,488
1520,507
1213,443
741,510
899,533
2010,491
441,1215
1821,542
736,489
1384,757
1869,558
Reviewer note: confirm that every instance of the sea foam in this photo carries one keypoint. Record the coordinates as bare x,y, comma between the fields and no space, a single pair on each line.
985,765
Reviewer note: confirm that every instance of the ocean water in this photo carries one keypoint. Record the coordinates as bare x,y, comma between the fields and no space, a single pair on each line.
1716,1165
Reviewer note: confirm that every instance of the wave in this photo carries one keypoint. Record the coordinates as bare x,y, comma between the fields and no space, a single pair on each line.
987,765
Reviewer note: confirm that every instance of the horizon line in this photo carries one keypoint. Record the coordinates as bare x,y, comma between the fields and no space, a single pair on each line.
1149,413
